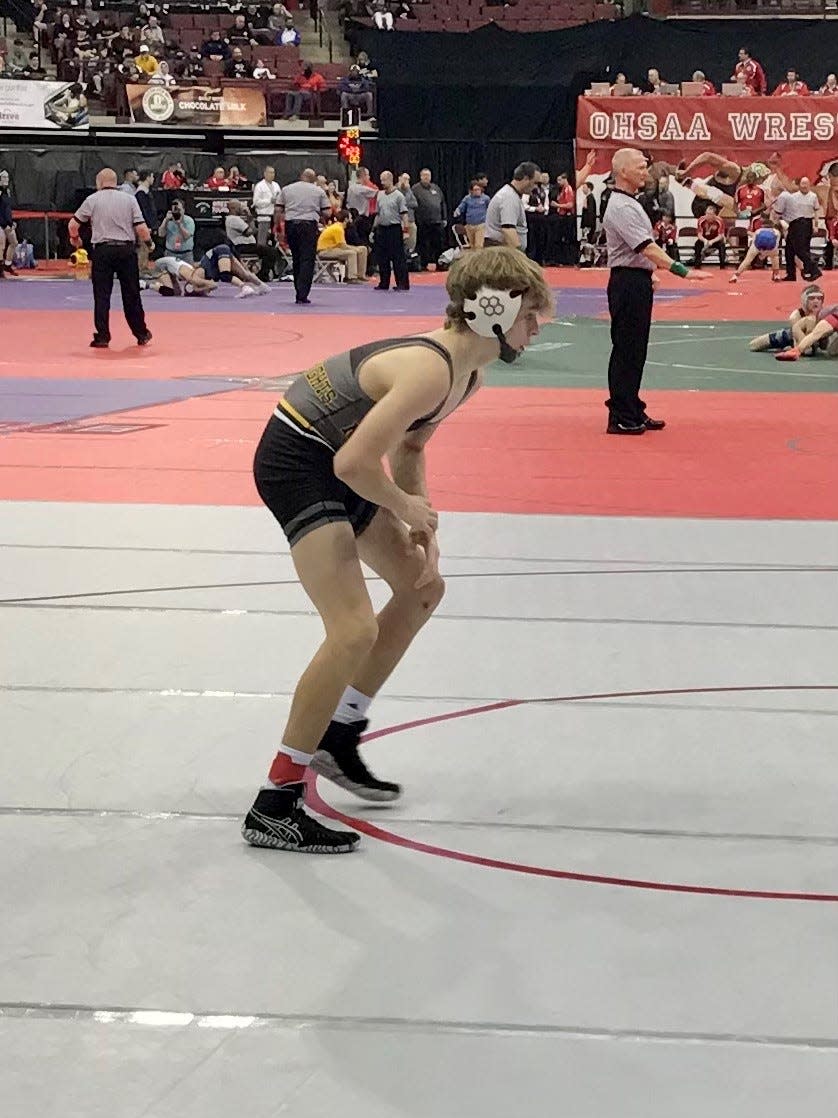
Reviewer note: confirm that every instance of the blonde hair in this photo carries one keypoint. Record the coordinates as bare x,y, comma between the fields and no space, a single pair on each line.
501,268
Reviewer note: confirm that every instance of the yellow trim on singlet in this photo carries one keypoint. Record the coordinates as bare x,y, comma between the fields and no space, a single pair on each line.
292,411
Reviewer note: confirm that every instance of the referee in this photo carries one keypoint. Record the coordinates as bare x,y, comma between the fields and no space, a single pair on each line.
116,225
303,205
633,257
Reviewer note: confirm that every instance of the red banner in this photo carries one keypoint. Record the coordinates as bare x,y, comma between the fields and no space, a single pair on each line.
798,133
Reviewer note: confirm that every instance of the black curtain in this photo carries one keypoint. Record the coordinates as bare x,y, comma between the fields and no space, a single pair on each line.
494,84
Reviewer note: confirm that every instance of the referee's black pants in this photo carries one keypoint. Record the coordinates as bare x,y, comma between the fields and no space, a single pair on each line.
630,306
302,240
120,260
390,254
798,240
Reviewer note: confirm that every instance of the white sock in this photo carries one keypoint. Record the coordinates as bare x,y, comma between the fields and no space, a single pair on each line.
352,707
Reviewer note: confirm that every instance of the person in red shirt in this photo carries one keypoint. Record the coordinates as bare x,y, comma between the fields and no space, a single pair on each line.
666,235
711,237
792,86
308,83
709,88
754,73
750,199
174,177
830,87
561,237
217,180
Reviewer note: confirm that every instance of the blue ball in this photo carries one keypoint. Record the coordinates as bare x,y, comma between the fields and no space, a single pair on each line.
765,240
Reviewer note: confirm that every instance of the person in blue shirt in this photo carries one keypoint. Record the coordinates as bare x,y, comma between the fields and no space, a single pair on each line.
472,212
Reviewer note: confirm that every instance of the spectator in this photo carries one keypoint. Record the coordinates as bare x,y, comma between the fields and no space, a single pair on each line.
237,66
129,180
360,200
587,222
750,199
174,177
308,83
403,9
152,35
830,87
620,80
666,199
506,219
122,41
537,207
412,205
40,23
238,226
261,72
277,20
236,180
603,198
753,73
289,36
666,235
161,75
431,219
711,236
332,245
217,180
194,64
215,48
354,90
145,61
265,200
239,32
64,35
178,230
472,212
145,181
709,88
562,236
390,227
256,19
380,14
33,70
792,86
483,179
365,67
142,16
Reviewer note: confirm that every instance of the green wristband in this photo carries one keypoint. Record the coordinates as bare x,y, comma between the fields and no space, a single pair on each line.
678,269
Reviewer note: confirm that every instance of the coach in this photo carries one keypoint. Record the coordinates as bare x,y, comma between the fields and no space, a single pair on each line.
633,257
116,225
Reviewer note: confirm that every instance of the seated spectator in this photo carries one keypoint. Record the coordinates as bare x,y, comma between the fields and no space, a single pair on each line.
32,70
239,32
709,88
237,66
178,230
365,67
40,23
277,20
174,177
472,213
161,75
64,35
143,15
238,227
745,90
711,236
380,14
289,36
194,64
355,90
215,47
403,9
666,235
145,61
152,34
792,86
236,180
308,83
261,72
217,180
256,19
121,41
332,245
830,87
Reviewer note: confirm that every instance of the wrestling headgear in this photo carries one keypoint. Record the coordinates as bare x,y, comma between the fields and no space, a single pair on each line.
812,291
491,313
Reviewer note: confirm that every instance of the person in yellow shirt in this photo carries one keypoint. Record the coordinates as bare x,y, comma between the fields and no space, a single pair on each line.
331,245
145,61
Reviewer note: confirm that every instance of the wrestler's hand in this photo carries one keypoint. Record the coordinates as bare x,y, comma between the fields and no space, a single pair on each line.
427,541
590,160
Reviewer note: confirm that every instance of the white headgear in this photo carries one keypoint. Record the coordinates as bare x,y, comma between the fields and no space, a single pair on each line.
490,309
812,291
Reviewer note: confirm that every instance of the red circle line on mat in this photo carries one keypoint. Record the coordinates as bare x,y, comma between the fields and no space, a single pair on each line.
366,827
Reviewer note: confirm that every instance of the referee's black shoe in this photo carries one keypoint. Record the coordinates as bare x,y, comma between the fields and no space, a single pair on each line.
616,428
100,343
653,424
145,338
337,759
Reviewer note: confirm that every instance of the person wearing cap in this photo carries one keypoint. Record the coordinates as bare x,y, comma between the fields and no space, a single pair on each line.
145,61
116,225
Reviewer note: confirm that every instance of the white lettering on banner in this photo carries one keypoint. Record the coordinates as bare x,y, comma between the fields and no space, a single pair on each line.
647,126
744,125
801,126
672,129
599,126
824,126
775,127
698,130
622,126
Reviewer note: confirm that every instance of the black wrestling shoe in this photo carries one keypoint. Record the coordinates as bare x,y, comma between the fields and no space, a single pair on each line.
277,821
615,428
337,759
653,424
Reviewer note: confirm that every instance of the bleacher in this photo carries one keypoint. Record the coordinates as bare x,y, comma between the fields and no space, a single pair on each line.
534,15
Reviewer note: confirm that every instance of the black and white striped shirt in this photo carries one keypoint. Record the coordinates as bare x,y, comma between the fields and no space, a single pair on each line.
113,215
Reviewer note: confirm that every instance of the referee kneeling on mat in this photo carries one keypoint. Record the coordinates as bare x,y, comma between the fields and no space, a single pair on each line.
633,257
116,225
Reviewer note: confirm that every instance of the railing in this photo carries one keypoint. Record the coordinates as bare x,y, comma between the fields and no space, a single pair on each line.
323,30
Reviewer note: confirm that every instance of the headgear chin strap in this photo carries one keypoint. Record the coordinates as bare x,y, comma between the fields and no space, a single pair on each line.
491,313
